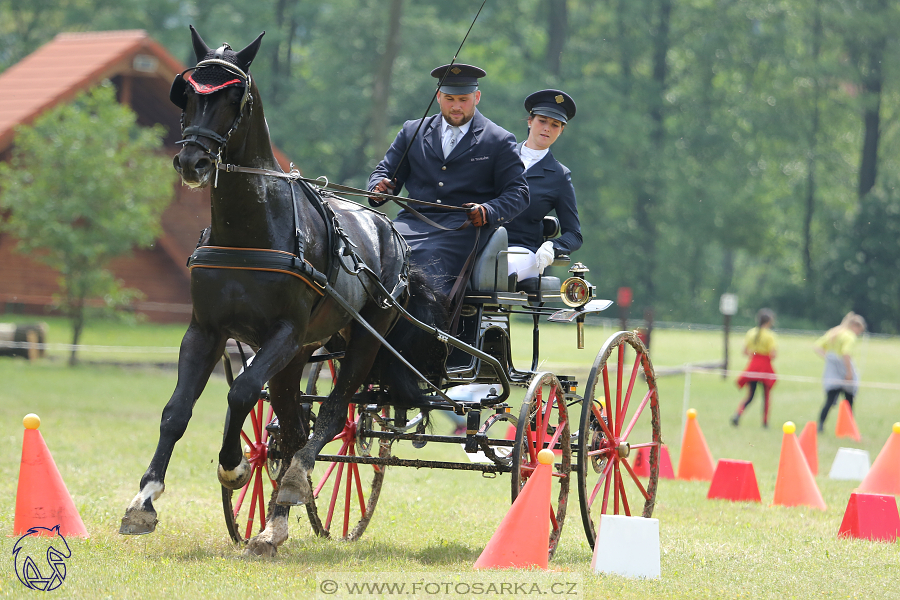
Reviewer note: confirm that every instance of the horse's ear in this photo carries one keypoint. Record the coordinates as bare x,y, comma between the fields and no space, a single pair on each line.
246,56
200,47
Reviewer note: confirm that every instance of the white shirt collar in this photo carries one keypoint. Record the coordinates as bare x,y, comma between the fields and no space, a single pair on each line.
463,129
530,156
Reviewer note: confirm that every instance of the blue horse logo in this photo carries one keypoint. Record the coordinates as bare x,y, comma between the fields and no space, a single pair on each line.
38,542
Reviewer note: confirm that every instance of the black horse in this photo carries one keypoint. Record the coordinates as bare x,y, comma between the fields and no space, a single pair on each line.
280,311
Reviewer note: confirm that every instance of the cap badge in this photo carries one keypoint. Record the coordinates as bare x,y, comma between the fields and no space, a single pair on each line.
456,70
559,99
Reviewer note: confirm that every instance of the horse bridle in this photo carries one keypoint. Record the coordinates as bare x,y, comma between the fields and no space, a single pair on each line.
194,133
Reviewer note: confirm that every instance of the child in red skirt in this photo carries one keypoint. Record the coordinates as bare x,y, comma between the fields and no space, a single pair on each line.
759,345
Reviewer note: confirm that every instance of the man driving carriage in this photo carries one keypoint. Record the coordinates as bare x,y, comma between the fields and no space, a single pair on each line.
459,158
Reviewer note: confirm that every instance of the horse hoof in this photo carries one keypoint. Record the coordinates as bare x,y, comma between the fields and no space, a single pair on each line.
138,522
238,478
260,548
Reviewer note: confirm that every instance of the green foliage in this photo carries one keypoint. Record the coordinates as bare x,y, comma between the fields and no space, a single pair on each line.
733,170
85,185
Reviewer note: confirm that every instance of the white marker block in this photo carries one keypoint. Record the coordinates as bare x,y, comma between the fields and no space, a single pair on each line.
627,546
850,464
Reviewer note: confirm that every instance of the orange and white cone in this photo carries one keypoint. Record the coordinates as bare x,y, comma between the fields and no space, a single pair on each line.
884,475
522,539
795,484
42,499
696,461
846,424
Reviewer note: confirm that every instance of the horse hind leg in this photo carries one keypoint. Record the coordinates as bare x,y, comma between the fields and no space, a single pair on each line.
295,487
266,543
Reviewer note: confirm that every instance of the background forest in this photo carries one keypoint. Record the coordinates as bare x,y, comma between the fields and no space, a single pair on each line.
743,146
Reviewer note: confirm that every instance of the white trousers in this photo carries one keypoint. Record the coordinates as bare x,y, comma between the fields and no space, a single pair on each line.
522,261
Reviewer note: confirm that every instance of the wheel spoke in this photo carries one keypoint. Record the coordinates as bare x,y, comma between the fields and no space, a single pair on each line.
636,480
334,496
616,481
604,427
348,494
624,496
610,409
606,487
262,500
359,490
634,373
330,470
603,476
637,413
617,421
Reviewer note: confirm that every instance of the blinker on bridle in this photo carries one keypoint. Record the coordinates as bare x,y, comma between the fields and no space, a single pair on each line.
193,134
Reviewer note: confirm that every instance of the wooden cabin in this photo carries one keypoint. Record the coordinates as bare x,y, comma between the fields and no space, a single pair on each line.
142,72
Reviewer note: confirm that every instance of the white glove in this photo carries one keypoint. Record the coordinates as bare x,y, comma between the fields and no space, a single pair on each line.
544,256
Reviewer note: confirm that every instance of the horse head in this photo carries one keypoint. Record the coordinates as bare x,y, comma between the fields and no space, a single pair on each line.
214,96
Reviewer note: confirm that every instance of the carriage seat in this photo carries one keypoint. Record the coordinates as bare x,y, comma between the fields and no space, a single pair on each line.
491,266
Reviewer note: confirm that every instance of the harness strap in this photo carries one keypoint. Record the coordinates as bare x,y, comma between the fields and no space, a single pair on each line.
258,259
458,291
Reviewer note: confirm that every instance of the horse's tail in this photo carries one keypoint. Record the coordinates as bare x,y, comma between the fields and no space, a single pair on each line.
421,349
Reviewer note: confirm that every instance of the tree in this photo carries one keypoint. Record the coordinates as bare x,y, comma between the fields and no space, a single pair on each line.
85,184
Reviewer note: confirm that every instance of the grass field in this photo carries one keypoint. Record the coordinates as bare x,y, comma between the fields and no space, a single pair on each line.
101,424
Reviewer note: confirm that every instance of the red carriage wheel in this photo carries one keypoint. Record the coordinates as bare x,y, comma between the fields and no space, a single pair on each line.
543,423
245,509
619,415
344,494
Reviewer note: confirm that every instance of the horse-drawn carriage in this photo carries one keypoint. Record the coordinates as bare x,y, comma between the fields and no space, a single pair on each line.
595,448
307,278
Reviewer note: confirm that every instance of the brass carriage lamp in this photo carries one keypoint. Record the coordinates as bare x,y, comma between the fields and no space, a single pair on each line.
576,291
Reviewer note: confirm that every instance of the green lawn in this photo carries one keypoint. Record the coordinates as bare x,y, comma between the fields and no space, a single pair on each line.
101,424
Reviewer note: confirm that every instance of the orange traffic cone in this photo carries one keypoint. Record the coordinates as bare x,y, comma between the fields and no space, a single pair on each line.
809,443
42,499
795,484
522,539
846,426
695,461
884,475
641,463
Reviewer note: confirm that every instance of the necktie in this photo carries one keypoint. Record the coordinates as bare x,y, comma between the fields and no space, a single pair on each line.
450,137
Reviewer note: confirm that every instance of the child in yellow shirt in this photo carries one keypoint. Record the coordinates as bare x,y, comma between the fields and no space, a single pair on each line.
840,374
760,346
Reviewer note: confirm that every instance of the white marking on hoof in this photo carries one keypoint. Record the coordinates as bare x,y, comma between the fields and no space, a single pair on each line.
140,518
238,478
151,491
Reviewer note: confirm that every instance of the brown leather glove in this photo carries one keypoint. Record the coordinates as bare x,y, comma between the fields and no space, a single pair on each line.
477,214
382,187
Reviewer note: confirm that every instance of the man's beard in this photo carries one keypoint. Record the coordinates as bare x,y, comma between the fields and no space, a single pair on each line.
460,120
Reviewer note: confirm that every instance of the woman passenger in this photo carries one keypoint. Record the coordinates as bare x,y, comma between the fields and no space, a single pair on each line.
549,186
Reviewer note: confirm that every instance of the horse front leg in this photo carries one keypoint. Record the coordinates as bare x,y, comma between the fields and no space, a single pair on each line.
283,396
200,350
275,353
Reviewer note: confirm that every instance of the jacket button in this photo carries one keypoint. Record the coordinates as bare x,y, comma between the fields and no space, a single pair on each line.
444,168
438,201
440,184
